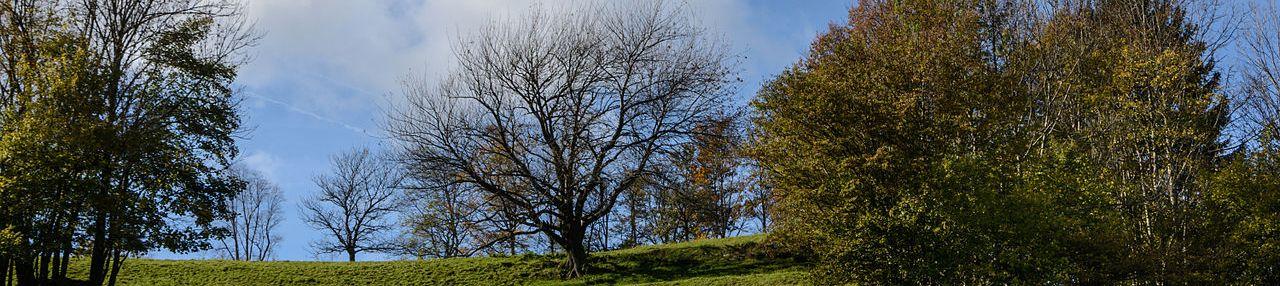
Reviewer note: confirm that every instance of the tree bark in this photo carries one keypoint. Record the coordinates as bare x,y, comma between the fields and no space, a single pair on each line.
24,271
576,258
116,261
4,270
66,259
351,255
45,263
98,255
575,264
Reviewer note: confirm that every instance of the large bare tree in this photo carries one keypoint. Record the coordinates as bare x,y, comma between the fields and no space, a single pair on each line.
255,214
355,204
558,115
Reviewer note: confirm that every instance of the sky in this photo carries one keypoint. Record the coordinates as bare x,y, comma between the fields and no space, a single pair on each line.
325,71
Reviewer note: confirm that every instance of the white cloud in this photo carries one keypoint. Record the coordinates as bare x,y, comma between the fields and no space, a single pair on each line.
341,59
265,163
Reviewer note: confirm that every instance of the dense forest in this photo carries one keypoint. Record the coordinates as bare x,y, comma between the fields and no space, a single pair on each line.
933,142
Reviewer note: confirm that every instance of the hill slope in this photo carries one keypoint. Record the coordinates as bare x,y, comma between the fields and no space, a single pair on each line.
731,261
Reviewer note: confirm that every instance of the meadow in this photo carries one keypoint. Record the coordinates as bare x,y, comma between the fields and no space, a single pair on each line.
739,261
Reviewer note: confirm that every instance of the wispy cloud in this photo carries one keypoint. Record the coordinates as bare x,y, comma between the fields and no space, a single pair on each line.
314,115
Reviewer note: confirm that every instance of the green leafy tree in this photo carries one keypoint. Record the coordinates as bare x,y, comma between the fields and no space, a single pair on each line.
948,142
854,139
1247,189
118,117
48,136
1138,101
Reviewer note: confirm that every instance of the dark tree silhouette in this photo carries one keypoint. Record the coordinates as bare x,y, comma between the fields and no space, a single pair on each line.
354,205
558,116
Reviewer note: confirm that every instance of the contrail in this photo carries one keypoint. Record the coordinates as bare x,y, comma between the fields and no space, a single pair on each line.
309,113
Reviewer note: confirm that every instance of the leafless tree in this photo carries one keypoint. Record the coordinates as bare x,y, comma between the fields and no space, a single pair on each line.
255,214
557,116
355,204
1261,102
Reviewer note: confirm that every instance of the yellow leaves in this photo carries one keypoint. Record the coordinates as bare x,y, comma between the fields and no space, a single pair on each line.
9,240
1157,70
6,182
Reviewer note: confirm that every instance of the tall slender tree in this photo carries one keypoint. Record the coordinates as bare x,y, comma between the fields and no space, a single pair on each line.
701,188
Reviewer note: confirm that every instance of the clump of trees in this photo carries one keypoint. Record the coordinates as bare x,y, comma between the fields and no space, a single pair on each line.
116,121
444,219
1004,141
698,191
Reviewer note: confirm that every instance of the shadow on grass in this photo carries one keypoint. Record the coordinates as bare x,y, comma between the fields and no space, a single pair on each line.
668,264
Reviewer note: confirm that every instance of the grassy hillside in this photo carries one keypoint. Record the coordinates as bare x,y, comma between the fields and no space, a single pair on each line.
733,261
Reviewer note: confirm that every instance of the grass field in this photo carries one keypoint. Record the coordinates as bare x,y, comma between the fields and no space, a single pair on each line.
733,261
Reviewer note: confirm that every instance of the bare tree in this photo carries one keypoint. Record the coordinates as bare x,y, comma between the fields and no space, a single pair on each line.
558,116
1261,102
255,214
354,205
446,219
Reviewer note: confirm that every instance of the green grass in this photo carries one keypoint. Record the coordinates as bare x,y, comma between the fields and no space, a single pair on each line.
733,261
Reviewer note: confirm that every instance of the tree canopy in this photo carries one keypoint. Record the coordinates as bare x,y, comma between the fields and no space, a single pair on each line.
116,120
957,142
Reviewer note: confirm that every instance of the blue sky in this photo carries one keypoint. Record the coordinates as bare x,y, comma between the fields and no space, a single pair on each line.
326,69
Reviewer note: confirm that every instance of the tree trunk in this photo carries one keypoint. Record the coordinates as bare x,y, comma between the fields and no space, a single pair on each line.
66,259
46,261
98,255
4,270
575,264
24,271
351,255
116,261
634,236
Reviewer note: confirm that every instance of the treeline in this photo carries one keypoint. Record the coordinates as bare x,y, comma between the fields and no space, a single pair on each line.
1030,142
116,124
700,189
921,142
608,127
